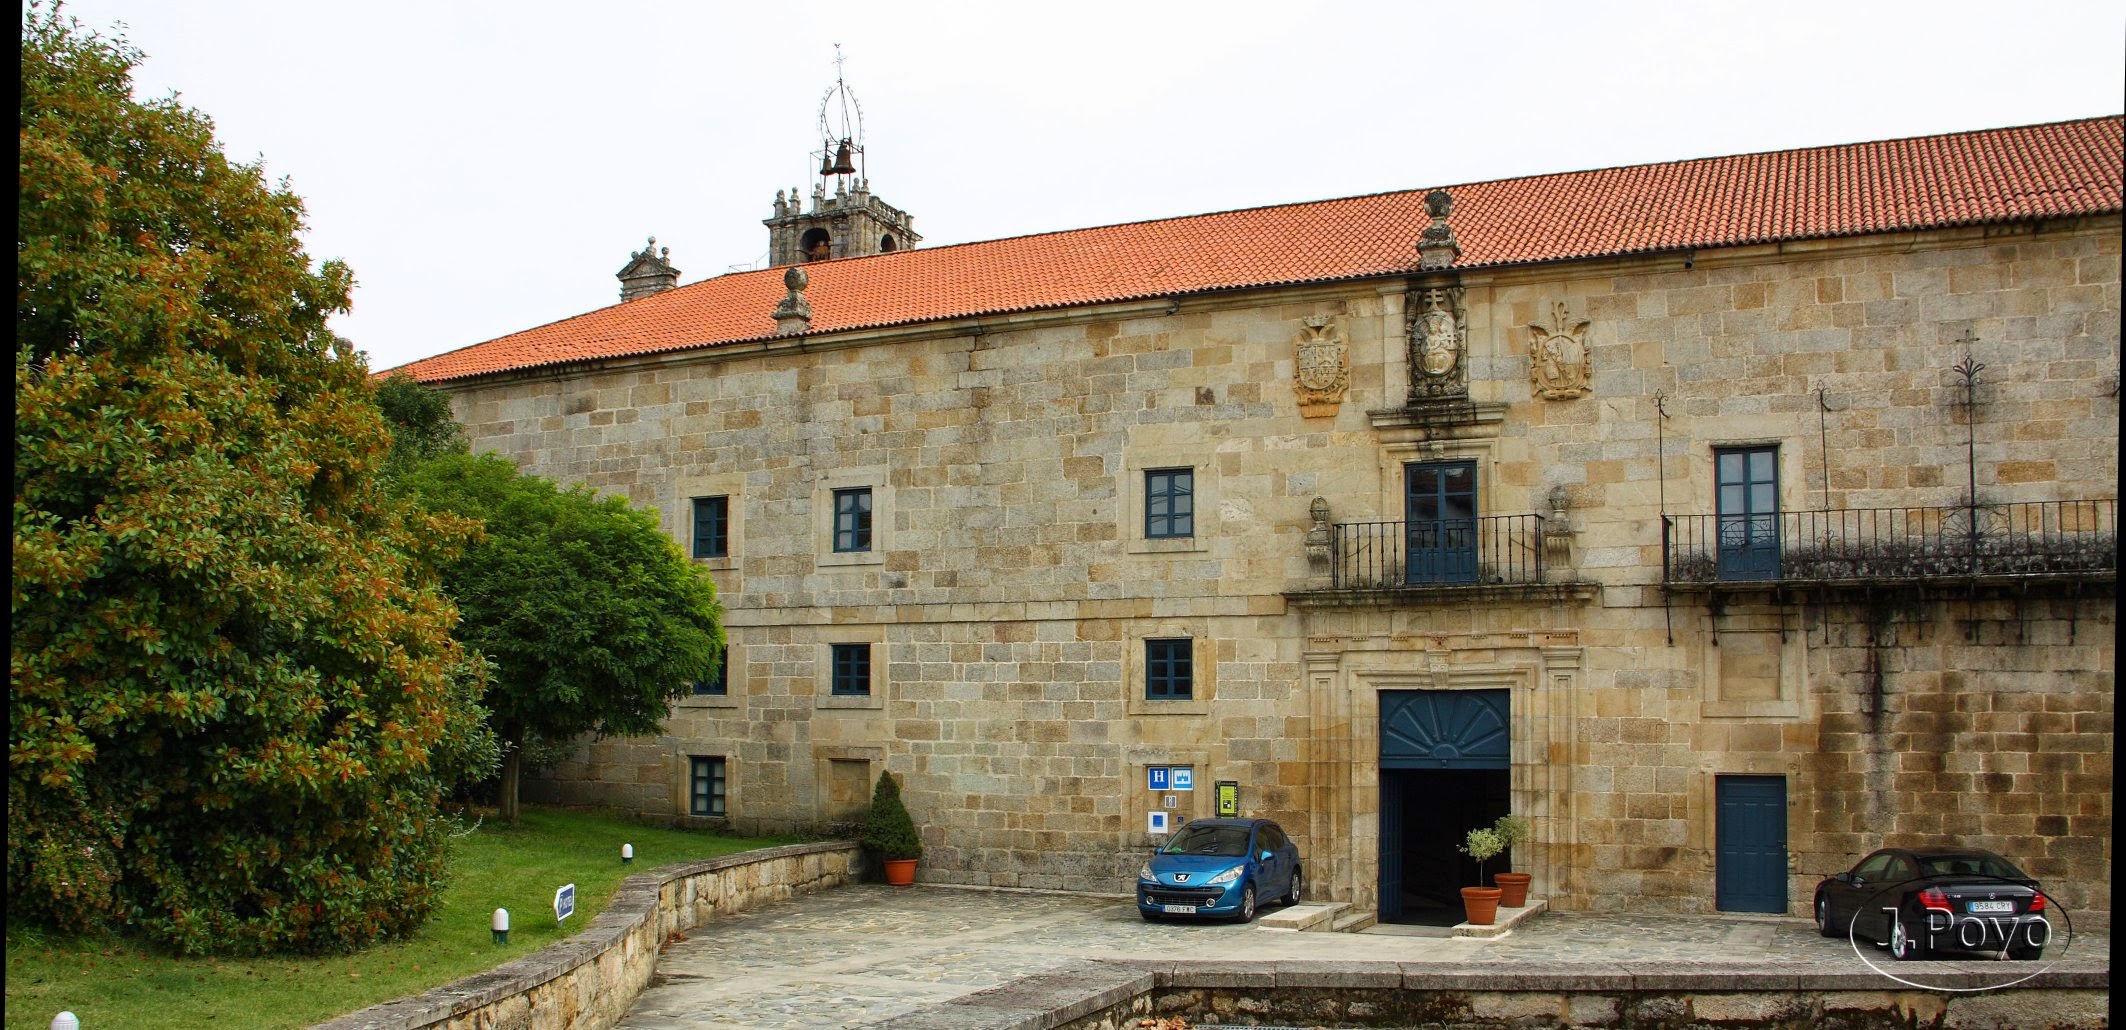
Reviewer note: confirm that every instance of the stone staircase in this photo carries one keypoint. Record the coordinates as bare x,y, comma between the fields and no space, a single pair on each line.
1339,917
1334,916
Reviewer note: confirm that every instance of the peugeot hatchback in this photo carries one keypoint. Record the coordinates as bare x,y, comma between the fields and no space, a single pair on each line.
1219,868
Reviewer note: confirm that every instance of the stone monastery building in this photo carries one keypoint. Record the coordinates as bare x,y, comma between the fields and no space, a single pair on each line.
1726,518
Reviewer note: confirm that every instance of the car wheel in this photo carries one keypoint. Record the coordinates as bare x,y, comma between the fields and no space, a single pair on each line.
1291,892
1148,916
1247,904
1905,945
1823,918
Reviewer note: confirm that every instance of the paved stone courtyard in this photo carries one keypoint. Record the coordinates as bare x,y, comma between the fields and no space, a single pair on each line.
865,953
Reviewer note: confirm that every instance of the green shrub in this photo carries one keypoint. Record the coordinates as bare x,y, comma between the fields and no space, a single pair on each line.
889,832
1483,845
1512,830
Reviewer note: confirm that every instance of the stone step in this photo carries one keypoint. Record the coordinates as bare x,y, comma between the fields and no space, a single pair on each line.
1352,922
1506,920
1303,916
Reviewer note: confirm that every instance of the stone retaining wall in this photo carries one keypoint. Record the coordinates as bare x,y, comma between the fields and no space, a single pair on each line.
1115,995
589,980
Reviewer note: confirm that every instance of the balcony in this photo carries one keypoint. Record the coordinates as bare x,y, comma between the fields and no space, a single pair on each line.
2044,542
1497,556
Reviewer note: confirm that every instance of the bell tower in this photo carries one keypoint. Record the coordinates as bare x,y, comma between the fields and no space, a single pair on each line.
843,220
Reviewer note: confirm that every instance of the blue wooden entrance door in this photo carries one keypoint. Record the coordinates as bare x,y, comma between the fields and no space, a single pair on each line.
1749,512
1439,522
1750,832
1431,729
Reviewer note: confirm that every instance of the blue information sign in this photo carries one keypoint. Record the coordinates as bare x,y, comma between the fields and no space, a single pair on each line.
1155,777
1183,777
564,902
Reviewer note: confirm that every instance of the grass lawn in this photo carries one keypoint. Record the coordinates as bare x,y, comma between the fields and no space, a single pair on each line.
113,983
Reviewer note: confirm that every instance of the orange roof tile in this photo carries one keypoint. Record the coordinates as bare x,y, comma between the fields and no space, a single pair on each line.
1965,178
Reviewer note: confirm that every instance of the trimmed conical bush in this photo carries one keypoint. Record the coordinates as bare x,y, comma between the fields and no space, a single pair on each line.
889,832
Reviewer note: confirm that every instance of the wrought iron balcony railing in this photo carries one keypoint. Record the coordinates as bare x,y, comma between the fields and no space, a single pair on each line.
1496,549
2043,538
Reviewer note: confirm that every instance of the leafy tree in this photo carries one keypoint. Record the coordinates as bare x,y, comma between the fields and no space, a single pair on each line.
592,617
235,695
421,423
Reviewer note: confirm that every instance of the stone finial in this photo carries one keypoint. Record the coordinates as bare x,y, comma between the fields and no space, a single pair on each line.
648,271
794,314
1436,248
1320,538
1557,534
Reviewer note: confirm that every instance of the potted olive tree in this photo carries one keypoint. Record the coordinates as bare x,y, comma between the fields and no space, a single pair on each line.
889,833
1512,831
1480,904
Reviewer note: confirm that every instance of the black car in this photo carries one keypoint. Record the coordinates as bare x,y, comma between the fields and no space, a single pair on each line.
1915,901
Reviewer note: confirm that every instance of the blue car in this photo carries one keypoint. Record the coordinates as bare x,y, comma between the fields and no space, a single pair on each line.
1219,867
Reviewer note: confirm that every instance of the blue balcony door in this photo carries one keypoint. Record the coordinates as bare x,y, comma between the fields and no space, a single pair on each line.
1749,512
1439,522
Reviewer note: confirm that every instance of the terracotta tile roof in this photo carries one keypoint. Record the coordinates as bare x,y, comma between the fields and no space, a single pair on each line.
1966,178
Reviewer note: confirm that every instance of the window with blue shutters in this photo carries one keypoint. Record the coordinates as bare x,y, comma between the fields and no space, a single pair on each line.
712,527
1169,670
852,670
706,786
1169,503
719,684
852,520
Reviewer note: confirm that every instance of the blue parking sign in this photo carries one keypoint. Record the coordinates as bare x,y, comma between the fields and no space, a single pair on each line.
1155,777
1183,777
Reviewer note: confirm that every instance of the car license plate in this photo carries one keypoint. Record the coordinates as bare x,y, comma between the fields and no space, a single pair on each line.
1178,910
1992,906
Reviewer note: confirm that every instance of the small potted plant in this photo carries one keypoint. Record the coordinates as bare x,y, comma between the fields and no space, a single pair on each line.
1481,904
889,833
1512,831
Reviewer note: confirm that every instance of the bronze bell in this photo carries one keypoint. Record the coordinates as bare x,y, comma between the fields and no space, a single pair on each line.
826,164
842,164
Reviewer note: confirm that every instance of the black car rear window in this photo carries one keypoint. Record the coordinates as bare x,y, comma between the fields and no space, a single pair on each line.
1227,841
1970,865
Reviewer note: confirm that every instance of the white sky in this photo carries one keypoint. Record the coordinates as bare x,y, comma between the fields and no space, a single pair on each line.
487,167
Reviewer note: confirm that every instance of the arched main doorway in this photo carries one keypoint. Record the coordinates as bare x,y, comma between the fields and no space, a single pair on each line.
1444,762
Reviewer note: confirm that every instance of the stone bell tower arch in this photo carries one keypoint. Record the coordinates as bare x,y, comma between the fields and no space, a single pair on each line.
843,219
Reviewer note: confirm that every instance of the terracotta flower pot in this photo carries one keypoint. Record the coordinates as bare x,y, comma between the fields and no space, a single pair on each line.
1481,905
1515,886
900,872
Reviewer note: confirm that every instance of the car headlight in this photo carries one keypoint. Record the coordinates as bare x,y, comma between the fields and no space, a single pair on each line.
1144,872
1225,877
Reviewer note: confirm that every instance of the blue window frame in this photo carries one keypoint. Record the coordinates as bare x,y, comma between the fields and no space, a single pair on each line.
706,786
1169,503
712,527
1748,479
852,670
1169,670
852,519
718,685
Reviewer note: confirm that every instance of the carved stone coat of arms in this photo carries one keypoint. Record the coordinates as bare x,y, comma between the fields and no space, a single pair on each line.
1439,335
1557,356
1321,372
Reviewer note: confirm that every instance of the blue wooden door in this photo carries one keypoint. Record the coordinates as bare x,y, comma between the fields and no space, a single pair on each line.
1748,480
1439,522
1750,832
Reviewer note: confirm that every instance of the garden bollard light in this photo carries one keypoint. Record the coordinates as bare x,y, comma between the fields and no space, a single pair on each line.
501,926
627,853
66,1021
